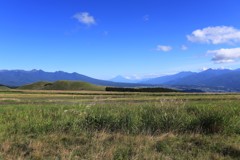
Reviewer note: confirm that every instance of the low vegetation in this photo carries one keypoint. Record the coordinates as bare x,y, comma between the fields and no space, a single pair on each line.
3,87
156,89
118,125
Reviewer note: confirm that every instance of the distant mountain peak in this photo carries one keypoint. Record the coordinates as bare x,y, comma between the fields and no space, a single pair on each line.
36,70
121,79
209,69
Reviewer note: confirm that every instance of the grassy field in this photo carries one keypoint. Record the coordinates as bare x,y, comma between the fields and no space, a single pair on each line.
113,125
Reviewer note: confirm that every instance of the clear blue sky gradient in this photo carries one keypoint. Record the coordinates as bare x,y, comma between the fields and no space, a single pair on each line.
42,34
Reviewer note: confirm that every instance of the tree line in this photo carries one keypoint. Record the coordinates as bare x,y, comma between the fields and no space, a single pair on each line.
157,89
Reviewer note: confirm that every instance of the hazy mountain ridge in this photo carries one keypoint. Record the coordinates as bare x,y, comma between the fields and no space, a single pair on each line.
164,79
230,80
198,79
208,80
227,80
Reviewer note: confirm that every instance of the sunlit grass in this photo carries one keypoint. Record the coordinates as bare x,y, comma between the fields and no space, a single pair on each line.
74,125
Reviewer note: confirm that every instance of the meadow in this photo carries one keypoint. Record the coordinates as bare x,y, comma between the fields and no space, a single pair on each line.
118,125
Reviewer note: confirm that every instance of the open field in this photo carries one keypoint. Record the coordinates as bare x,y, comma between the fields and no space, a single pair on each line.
118,125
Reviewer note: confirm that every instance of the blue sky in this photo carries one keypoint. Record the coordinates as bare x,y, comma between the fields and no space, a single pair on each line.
135,38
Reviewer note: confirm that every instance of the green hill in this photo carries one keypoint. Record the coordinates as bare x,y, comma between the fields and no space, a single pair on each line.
63,85
3,88
35,86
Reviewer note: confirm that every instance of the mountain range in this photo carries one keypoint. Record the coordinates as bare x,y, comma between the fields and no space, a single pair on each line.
208,80
219,79
22,77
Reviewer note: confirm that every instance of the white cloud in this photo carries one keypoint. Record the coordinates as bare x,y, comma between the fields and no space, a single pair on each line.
215,35
225,55
184,48
163,48
85,18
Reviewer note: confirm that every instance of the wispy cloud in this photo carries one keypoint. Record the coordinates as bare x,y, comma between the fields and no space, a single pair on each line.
146,17
85,18
215,35
163,48
225,55
142,76
184,48
105,33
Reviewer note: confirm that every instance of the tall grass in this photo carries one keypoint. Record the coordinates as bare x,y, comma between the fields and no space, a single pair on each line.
149,118
118,126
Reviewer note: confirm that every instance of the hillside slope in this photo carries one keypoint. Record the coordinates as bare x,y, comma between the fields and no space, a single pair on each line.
2,87
229,80
199,79
164,79
63,85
